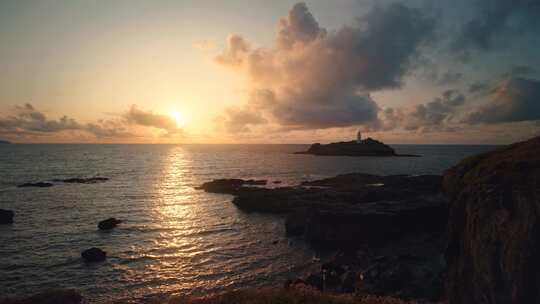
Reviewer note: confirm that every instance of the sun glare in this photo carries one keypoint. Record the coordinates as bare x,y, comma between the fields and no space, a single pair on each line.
178,118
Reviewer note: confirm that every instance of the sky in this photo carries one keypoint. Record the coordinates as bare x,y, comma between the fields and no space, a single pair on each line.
163,71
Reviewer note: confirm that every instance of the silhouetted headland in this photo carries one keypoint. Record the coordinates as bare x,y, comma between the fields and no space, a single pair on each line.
4,142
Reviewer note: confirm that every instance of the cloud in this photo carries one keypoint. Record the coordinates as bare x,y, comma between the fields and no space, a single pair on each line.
237,120
28,121
492,19
314,79
135,116
478,87
520,70
513,100
435,116
449,78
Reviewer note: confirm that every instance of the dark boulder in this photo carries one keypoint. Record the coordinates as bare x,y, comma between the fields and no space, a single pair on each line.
38,185
109,223
6,216
94,255
493,252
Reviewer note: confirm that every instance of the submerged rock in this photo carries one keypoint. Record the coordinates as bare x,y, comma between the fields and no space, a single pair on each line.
109,223
493,251
94,255
6,216
38,185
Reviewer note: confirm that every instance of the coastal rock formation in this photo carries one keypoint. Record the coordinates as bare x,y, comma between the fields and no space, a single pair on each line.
4,142
94,255
6,216
493,252
389,229
368,147
37,185
108,224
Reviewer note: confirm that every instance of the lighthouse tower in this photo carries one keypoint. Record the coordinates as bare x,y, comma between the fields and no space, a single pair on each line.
359,138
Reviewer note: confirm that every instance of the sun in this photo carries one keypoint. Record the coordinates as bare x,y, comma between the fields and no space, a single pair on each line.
178,118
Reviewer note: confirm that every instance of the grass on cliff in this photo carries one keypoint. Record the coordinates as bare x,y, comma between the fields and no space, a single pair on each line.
285,296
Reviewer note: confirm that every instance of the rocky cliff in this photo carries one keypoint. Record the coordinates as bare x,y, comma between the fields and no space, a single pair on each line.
493,251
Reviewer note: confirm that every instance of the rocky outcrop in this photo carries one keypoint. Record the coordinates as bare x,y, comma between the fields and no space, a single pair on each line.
94,255
493,252
368,147
79,180
37,185
109,223
229,185
5,142
75,180
6,216
392,226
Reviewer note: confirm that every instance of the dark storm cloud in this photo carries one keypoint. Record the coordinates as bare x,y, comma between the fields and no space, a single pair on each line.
449,78
315,79
520,70
491,20
435,114
514,100
478,87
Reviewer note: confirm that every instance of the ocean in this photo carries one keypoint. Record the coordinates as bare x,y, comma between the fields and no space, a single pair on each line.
175,239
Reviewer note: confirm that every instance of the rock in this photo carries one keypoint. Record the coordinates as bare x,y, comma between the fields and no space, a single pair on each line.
255,182
94,255
404,276
374,223
493,250
55,296
109,223
6,216
368,147
228,185
38,184
4,142
77,180
295,223
277,182
315,280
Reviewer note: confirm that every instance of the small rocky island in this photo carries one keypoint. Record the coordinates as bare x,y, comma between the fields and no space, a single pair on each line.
358,147
4,142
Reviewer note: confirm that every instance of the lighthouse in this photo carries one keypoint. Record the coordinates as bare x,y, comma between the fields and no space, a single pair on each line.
359,137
